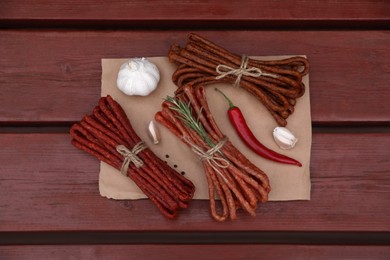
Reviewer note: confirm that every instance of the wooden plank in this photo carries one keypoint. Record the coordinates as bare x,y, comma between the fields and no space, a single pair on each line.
54,77
48,185
192,252
206,14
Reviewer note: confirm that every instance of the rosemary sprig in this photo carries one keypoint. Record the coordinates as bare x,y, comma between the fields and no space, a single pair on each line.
186,115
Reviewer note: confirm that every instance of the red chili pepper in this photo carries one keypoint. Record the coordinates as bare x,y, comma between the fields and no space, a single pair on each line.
238,121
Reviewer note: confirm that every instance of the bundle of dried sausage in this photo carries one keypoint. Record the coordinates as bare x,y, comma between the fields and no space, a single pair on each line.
277,84
230,175
108,135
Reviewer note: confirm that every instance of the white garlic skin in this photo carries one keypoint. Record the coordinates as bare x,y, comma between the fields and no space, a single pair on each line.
154,133
284,138
138,77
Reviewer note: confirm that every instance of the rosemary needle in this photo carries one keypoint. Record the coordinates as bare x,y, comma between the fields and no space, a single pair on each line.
186,115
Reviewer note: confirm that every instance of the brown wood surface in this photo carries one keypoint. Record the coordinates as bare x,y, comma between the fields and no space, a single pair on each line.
176,14
50,72
194,252
48,185
54,76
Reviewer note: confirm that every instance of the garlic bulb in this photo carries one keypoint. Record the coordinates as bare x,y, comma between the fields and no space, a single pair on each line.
138,77
284,138
154,133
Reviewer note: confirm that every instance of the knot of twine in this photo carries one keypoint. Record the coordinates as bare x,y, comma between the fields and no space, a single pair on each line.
210,158
131,156
225,70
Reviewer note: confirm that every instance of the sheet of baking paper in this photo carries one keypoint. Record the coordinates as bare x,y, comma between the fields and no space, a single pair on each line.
287,182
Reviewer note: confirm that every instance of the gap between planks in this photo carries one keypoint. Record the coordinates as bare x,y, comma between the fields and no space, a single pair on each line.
310,238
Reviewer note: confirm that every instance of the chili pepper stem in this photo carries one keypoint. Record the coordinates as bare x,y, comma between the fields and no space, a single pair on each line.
231,105
239,123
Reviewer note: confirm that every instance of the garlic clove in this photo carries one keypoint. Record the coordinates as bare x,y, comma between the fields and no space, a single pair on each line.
284,138
138,76
154,133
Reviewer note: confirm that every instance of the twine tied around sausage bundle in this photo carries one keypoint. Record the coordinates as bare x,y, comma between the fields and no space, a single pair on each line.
131,156
210,158
225,70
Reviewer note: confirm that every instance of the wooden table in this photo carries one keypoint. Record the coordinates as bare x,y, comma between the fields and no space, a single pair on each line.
50,76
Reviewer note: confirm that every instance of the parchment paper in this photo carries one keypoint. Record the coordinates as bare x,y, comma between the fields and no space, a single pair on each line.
287,182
